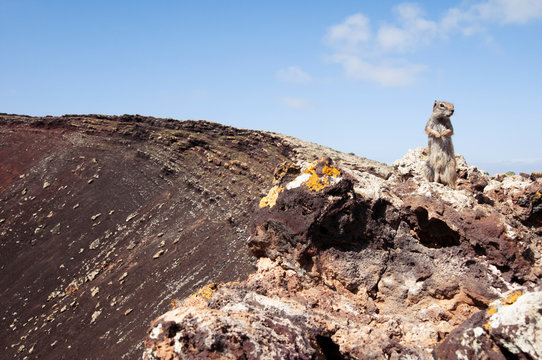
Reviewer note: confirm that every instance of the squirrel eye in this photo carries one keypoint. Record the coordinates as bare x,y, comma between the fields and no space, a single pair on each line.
441,105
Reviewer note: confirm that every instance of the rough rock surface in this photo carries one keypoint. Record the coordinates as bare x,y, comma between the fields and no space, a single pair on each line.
359,260
511,328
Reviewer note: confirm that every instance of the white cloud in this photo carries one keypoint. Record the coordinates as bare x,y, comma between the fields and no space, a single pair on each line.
296,103
509,11
378,57
413,30
348,35
385,74
477,17
364,56
293,74
459,20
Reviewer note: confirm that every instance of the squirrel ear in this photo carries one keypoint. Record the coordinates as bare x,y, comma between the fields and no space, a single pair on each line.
435,104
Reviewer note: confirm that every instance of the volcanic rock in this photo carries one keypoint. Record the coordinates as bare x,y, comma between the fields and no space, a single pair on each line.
510,328
366,262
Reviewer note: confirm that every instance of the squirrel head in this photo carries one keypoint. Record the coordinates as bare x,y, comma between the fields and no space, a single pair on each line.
443,108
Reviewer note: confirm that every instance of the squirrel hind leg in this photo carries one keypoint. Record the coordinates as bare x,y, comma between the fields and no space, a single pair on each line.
450,175
429,172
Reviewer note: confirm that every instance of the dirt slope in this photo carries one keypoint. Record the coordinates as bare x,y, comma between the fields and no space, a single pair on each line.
104,220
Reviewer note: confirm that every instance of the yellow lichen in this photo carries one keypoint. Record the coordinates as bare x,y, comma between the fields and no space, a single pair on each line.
491,310
538,194
316,183
206,291
311,169
509,300
512,298
331,171
271,198
173,304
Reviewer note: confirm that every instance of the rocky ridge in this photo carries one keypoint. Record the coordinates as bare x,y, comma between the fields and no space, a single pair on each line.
359,260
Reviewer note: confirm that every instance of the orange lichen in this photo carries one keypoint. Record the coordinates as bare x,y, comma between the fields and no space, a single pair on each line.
311,169
206,291
331,171
512,298
316,183
271,198
491,310
509,300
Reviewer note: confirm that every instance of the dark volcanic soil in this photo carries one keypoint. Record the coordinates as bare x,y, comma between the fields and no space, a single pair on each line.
104,220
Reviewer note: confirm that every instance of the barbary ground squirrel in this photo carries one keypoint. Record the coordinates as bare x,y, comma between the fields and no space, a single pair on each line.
440,165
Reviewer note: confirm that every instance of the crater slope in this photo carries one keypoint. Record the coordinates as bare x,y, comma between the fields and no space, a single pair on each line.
105,220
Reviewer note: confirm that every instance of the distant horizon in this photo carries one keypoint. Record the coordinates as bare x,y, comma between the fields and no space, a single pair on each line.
356,77
484,167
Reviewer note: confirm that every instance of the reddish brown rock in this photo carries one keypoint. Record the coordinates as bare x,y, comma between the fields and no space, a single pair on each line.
383,271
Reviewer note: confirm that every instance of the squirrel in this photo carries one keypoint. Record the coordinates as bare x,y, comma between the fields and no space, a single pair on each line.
440,165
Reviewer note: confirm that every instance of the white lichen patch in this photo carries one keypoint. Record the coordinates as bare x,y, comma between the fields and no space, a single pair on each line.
517,320
156,331
275,303
478,331
515,182
237,307
178,347
369,185
334,180
458,199
298,181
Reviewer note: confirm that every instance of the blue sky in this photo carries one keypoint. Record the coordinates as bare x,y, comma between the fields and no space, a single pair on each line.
357,76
